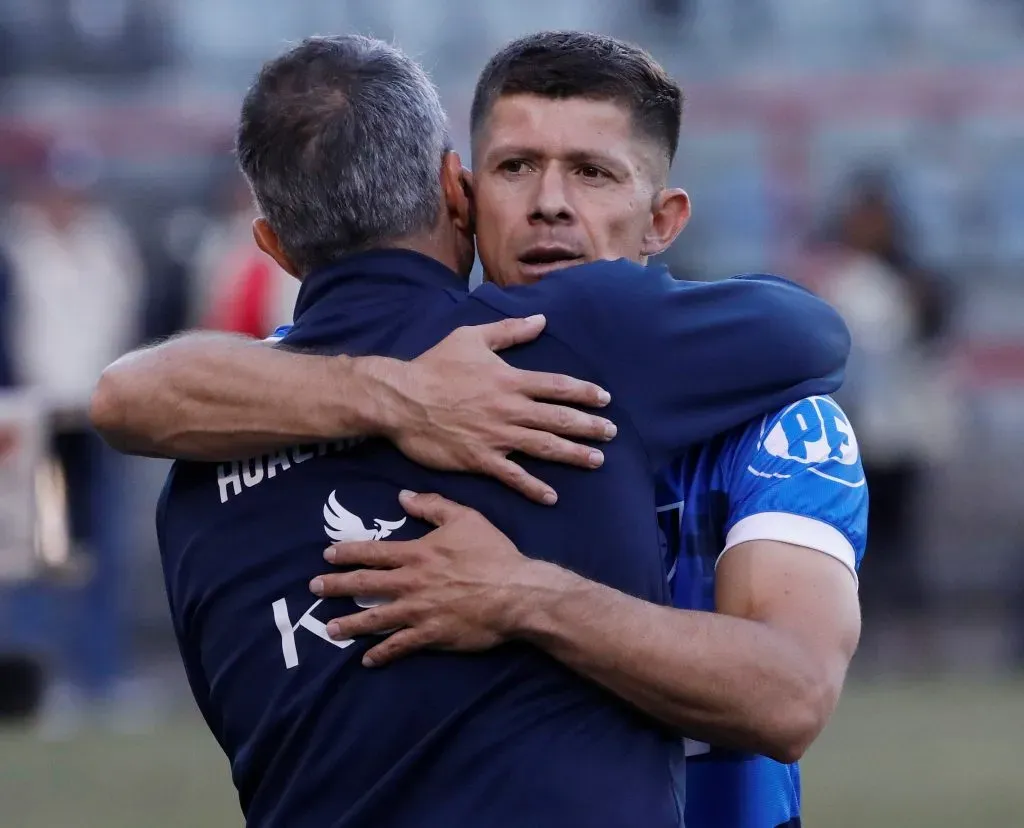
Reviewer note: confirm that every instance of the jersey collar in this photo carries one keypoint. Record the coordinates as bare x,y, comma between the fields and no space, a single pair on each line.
371,276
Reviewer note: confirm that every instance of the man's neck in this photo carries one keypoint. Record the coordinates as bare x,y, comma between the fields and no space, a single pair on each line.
431,245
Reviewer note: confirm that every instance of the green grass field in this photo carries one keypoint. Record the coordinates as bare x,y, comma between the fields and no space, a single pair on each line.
898,755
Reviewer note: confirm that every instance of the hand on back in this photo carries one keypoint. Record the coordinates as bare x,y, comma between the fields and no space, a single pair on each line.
465,409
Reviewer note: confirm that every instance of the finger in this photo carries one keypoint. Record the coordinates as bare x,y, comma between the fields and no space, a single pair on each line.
396,646
509,332
376,554
566,422
376,621
562,388
546,446
516,477
361,583
431,507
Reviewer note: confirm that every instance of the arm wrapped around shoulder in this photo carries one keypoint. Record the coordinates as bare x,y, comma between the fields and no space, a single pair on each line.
802,337
689,360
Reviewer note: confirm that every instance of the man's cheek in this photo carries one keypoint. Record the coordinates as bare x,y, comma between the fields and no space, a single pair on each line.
485,250
622,238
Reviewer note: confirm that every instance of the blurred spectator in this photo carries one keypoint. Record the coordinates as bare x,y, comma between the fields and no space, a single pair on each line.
21,677
237,287
899,316
77,282
169,250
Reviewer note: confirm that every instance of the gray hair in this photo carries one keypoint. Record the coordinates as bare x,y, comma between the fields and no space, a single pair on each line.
342,140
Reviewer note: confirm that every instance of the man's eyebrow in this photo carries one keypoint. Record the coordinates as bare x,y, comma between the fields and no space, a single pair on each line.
578,156
583,156
513,150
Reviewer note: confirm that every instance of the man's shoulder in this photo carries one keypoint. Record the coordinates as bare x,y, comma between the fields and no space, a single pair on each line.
588,300
788,450
795,476
610,281
599,279
810,435
611,270
621,284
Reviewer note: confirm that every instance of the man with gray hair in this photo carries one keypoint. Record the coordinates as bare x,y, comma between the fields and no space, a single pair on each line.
508,737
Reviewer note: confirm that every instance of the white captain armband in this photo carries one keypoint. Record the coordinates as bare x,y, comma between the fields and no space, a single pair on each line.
796,530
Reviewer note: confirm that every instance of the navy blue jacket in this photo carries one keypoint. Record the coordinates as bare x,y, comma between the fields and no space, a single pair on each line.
508,737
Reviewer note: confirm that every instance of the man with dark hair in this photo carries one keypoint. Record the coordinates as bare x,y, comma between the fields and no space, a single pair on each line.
506,737
535,101
564,65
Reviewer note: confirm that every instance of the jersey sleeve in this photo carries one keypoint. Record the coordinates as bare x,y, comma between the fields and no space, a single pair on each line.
796,477
689,360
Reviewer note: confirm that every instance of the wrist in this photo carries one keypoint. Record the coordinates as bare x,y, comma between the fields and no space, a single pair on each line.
370,392
531,599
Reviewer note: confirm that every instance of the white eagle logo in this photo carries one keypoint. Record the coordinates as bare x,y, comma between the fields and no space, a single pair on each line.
343,526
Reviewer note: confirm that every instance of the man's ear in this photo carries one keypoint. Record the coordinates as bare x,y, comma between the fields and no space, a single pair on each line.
269,243
457,195
467,188
670,213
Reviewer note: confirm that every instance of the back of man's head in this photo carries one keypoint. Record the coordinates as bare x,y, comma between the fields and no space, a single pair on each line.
584,65
342,141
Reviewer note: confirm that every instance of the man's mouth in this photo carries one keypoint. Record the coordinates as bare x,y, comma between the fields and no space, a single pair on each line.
541,260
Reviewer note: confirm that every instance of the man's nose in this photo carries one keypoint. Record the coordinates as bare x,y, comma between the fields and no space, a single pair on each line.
552,204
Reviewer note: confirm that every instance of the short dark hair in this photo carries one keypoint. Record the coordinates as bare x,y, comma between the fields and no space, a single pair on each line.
584,65
342,141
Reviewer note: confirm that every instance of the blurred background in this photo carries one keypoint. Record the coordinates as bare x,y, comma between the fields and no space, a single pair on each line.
873,151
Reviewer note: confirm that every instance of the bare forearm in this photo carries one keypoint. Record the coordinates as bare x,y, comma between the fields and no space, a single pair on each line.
725,680
212,396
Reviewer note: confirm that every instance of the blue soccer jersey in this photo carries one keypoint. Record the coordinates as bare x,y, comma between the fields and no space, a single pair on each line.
795,477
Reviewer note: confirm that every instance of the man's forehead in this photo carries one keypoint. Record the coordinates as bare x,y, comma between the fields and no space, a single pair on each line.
519,119
563,127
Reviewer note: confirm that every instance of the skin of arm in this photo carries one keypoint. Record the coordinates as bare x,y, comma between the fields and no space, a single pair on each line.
457,407
215,396
762,674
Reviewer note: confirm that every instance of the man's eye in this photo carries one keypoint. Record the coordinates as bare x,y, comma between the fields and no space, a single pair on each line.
590,171
514,166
